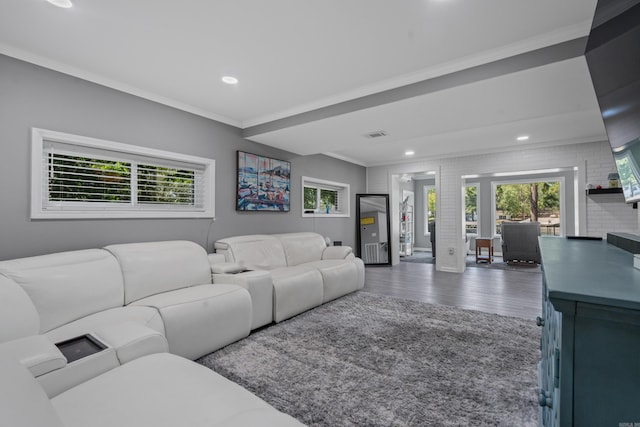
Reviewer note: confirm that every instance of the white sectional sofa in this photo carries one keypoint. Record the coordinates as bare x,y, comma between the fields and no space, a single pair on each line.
136,299
301,271
86,339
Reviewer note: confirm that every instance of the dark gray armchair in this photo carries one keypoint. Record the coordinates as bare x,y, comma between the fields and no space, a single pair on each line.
520,242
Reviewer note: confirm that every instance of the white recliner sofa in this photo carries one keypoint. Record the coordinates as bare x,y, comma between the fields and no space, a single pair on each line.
301,271
134,299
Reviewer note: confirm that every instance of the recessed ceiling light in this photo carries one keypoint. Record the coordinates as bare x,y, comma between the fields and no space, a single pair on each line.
523,138
409,153
230,80
61,3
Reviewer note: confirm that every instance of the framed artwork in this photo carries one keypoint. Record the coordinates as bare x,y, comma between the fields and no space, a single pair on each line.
263,183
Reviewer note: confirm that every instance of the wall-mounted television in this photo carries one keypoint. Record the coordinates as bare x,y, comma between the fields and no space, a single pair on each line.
613,58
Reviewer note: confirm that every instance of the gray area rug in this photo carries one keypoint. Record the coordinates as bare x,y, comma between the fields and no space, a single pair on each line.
368,360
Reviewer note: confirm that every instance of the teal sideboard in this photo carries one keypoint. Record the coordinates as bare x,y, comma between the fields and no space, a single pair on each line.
589,373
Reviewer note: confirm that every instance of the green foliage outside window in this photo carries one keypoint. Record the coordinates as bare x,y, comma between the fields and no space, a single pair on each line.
328,198
431,204
310,198
165,185
529,200
81,179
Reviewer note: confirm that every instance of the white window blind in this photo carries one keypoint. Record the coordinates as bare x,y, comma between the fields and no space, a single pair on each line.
79,177
326,193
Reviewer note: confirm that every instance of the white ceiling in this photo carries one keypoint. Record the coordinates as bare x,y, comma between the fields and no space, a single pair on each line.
301,65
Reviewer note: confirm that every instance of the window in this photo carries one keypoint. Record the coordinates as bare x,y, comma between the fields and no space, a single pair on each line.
322,198
429,193
79,177
529,201
471,209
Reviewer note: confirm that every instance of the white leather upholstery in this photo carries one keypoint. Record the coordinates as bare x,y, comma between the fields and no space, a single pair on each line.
300,248
147,316
23,403
310,273
201,319
18,316
339,277
36,352
256,252
163,390
154,267
160,390
79,371
260,287
132,340
295,290
337,252
66,286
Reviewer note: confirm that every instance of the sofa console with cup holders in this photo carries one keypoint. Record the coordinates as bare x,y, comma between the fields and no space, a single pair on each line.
286,274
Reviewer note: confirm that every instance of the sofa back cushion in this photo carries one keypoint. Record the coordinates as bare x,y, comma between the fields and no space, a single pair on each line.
18,316
155,267
66,286
300,248
257,251
23,401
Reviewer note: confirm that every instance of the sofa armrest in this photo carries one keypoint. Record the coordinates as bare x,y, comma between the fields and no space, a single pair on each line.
132,340
219,265
37,353
337,252
216,258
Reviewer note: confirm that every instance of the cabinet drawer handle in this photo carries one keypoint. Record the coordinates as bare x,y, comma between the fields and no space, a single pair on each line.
539,321
544,399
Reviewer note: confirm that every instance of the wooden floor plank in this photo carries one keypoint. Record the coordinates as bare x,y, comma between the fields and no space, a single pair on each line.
505,292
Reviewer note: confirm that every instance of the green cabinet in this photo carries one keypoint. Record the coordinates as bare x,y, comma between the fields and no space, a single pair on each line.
589,372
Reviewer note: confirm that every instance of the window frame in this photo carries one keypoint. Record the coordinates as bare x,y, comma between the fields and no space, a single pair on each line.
98,210
551,178
343,192
425,195
478,211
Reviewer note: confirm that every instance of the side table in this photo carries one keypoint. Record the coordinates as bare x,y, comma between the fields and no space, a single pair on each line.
484,242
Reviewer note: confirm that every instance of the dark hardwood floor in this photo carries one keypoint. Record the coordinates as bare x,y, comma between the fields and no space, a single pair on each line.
506,292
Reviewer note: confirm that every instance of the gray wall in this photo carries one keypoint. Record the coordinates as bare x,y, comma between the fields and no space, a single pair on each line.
31,96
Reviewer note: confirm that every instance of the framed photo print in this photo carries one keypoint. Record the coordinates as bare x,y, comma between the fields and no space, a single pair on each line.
263,183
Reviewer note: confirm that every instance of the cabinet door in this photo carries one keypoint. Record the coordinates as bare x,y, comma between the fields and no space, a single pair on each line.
607,366
549,369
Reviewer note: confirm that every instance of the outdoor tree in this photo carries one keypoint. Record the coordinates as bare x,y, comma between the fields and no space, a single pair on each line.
533,201
470,200
528,201
431,204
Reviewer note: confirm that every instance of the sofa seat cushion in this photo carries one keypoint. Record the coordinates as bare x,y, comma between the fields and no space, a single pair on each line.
163,390
295,290
147,316
339,276
201,319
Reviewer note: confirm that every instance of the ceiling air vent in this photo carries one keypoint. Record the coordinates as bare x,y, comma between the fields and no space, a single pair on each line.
376,134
